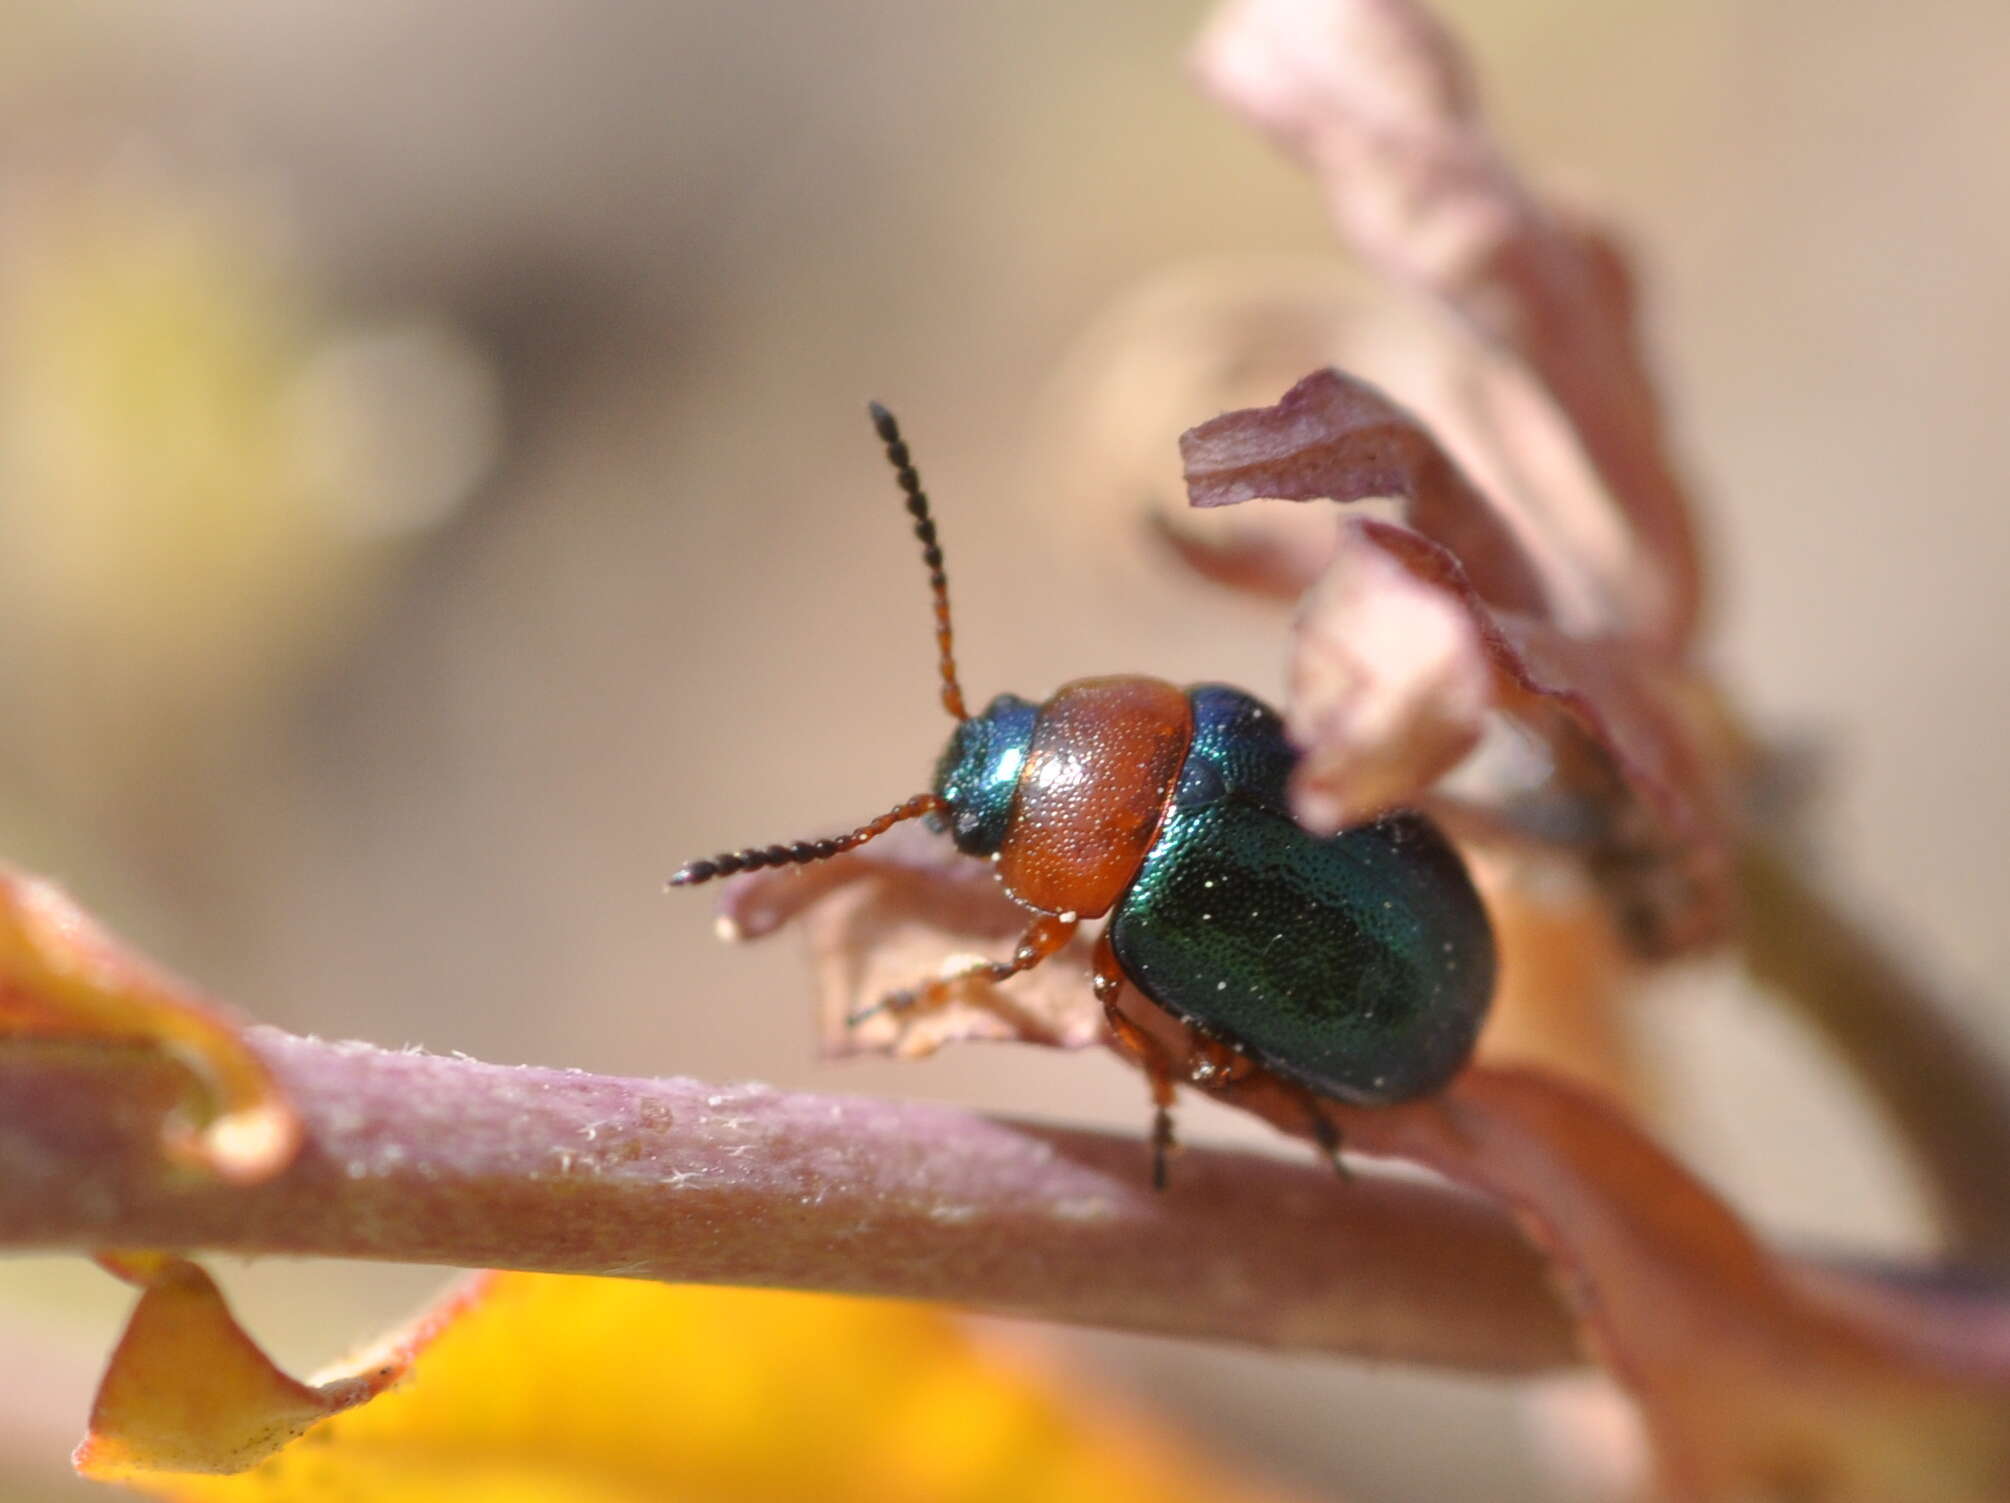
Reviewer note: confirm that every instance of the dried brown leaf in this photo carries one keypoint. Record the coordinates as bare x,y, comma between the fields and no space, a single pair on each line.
1389,684
1374,98
1418,634
904,909
1216,336
1334,437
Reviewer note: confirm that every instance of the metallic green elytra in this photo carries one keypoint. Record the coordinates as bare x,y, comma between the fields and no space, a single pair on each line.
1359,965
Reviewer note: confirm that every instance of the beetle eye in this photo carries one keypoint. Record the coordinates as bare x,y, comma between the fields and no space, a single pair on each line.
1200,784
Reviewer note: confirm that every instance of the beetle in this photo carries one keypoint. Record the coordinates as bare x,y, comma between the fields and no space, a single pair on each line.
1355,967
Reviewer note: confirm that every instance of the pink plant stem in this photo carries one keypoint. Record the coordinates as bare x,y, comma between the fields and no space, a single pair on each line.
420,1159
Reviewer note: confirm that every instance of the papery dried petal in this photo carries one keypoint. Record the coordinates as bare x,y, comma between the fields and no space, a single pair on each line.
188,1391
1390,684
1382,713
63,977
1381,716
1222,335
903,910
1374,98
1666,852
1195,339
1257,559
1334,437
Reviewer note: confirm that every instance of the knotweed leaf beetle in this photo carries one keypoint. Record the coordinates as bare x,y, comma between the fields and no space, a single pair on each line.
1354,967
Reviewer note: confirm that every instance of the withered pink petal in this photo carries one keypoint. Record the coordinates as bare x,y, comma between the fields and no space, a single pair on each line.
1373,97
1390,683
901,911
1260,559
1215,336
1334,437
1613,711
755,904
895,930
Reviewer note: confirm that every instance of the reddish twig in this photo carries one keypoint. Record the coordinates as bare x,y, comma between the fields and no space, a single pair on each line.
416,1158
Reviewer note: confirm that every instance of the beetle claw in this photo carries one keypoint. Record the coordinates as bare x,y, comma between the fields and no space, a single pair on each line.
1164,1145
1327,1135
892,1002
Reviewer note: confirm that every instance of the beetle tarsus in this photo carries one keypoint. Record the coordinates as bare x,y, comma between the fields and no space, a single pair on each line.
1164,1144
1326,1133
893,1003
1046,934
1215,1065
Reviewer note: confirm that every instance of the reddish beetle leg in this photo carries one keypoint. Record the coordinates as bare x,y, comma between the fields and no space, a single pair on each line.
1045,935
1148,1052
1220,1068
1325,1131
1215,1066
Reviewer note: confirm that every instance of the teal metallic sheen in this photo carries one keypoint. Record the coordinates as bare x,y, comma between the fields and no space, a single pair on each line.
1359,965
979,772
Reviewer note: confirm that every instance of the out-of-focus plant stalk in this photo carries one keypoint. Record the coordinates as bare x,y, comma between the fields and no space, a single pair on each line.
1939,1087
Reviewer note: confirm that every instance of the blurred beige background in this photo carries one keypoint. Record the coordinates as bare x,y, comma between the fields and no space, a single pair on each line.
435,500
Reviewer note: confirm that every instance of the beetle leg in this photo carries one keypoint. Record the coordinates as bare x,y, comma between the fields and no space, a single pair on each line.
1215,1066
1042,938
1325,1132
1146,1050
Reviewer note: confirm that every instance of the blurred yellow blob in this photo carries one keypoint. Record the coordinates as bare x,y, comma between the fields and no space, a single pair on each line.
200,470
563,1390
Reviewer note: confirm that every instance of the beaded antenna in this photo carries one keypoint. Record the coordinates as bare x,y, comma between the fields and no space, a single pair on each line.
801,852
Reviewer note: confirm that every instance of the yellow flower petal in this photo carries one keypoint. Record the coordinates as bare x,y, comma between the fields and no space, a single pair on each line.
540,1389
188,1391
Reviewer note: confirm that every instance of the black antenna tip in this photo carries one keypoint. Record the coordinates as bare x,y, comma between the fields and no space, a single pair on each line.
883,423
